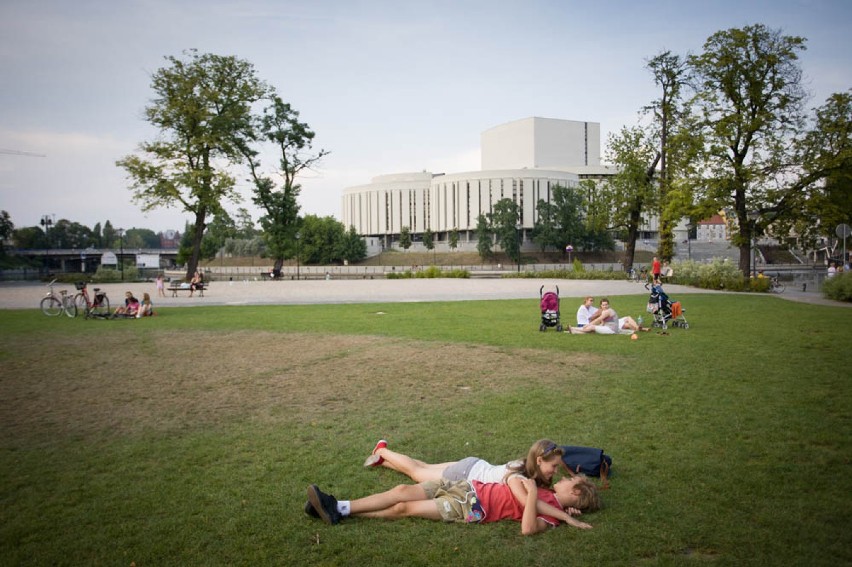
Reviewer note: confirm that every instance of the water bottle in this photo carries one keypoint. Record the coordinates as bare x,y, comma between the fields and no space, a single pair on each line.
640,320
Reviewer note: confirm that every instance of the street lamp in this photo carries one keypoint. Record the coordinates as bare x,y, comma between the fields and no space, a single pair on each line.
569,249
46,222
121,254
519,234
689,228
753,216
298,251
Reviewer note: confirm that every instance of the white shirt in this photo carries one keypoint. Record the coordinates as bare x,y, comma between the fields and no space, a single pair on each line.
584,315
483,471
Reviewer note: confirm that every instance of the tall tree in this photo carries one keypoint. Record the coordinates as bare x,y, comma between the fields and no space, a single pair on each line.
670,73
750,104
354,247
631,193
292,140
484,238
561,221
817,195
7,228
244,224
203,111
504,222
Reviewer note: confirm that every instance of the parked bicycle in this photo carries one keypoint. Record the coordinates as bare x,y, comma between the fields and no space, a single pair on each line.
92,307
54,305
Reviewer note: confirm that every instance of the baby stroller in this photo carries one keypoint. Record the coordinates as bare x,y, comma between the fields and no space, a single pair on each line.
549,310
665,311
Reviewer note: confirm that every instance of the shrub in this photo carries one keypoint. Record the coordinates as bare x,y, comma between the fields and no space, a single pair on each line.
430,272
718,274
839,287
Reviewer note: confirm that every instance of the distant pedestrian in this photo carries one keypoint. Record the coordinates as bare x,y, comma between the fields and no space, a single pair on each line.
656,269
161,286
832,270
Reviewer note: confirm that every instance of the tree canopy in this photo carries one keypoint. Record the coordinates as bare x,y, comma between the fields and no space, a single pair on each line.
203,113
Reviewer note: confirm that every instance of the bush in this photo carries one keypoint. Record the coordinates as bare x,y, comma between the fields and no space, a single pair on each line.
839,287
430,272
719,274
571,275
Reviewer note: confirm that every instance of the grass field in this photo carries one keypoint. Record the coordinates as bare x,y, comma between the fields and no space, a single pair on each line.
190,438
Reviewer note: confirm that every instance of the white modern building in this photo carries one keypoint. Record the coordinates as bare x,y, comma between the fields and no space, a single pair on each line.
521,160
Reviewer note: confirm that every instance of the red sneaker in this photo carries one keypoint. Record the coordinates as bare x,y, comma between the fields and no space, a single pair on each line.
375,460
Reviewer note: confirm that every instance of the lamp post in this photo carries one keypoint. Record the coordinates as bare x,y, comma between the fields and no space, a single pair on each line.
298,251
689,241
752,217
121,253
46,222
569,249
519,236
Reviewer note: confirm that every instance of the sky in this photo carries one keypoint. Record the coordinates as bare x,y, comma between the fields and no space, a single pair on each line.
387,86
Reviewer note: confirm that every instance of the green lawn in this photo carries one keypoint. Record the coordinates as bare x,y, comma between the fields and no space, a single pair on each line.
189,438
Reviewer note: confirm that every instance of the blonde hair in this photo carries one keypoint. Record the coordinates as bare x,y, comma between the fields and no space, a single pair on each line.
588,498
544,448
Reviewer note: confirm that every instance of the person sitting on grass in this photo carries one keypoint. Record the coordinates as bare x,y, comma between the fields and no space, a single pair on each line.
629,324
605,321
540,464
457,501
146,308
586,311
130,307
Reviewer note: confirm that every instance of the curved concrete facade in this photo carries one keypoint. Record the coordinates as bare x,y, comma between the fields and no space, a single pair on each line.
445,202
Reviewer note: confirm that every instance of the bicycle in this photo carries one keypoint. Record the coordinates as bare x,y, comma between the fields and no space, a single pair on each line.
97,307
53,305
776,286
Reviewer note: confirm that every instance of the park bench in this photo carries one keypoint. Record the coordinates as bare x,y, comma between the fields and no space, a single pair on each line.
176,287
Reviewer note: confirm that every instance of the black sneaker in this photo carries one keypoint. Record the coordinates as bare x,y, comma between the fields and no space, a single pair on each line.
324,504
309,510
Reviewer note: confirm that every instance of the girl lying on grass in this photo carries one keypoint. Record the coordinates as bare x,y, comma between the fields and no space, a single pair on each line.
471,490
458,501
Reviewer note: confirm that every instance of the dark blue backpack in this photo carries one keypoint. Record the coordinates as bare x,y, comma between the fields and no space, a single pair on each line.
587,460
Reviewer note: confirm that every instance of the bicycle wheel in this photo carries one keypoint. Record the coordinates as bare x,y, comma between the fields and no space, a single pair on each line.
51,306
100,307
778,288
69,306
81,303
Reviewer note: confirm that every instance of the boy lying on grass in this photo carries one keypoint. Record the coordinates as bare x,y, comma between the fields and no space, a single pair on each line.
459,501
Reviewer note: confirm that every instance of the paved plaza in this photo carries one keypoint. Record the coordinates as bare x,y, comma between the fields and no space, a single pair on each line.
15,295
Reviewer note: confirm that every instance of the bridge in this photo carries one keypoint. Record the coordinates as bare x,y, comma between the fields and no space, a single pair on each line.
88,260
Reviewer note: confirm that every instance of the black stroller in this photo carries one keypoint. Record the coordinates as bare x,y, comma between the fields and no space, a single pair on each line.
549,310
665,311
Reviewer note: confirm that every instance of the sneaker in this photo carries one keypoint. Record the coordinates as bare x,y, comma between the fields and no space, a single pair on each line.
310,511
375,460
324,504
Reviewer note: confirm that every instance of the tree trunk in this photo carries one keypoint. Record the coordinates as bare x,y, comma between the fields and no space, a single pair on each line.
197,235
632,235
745,258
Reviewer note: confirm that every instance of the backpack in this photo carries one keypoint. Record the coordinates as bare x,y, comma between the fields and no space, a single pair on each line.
588,461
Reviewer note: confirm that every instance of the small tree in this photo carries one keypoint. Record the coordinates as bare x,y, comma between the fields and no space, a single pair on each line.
428,239
484,236
453,241
504,221
354,247
405,238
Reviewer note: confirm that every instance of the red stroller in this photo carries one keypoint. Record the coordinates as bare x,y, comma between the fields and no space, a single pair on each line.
549,310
